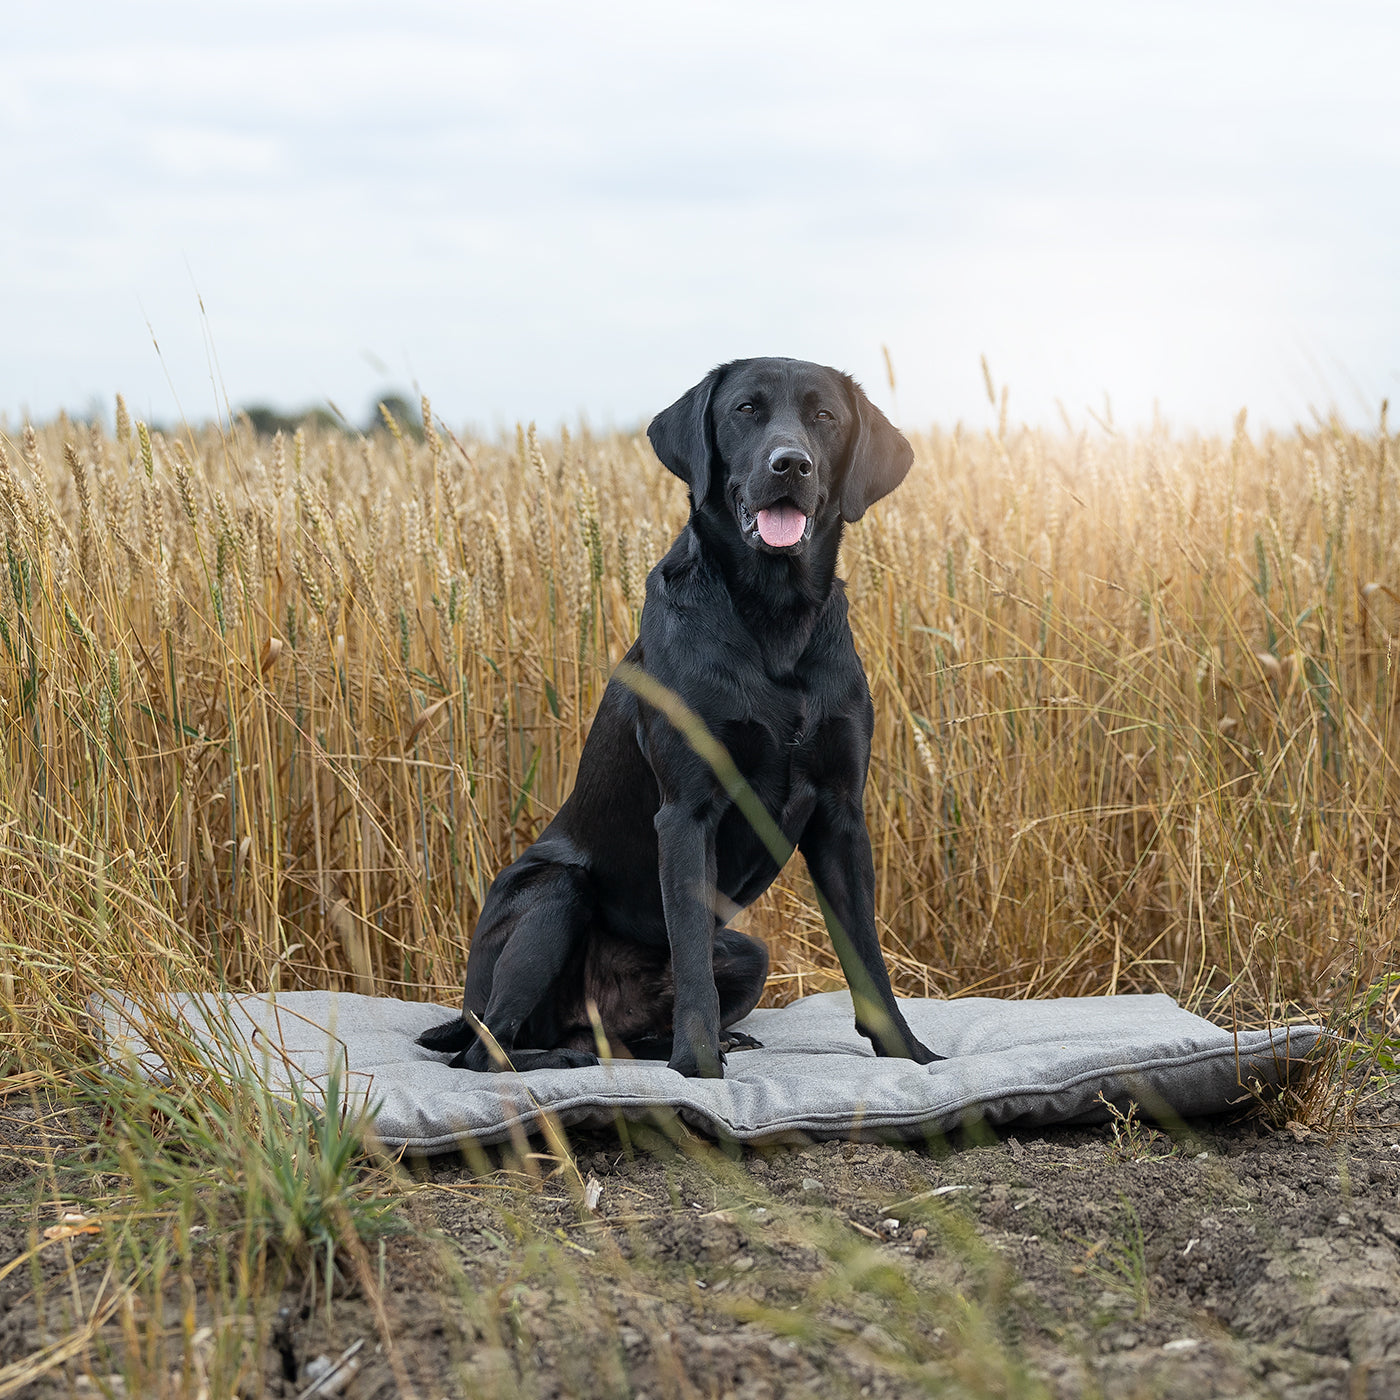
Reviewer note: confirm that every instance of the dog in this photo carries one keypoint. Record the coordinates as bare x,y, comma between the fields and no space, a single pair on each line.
614,922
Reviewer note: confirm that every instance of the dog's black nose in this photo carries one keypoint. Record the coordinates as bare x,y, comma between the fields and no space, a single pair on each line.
788,459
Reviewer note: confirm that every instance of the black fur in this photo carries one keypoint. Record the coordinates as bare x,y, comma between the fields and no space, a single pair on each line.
620,906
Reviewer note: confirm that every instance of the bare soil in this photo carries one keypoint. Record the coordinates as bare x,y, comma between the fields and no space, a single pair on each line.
1232,1261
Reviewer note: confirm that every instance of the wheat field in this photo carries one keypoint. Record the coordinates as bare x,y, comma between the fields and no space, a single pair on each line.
275,711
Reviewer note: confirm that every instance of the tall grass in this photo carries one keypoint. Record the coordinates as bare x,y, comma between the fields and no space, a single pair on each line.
276,712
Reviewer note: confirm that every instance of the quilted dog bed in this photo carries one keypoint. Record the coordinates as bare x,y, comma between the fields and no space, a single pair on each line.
1010,1064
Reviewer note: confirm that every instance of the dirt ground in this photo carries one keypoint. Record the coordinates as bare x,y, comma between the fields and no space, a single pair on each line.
1229,1262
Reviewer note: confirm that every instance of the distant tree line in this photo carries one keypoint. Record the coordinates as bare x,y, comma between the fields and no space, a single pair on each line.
267,421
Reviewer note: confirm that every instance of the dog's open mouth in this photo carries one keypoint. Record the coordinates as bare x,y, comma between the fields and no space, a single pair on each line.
779,526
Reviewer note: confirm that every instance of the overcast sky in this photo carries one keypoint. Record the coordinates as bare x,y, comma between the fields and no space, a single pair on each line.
537,210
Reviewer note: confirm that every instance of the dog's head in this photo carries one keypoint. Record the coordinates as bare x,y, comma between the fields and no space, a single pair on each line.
782,446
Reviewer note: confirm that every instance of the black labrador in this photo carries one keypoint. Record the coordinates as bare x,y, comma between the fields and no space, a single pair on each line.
614,921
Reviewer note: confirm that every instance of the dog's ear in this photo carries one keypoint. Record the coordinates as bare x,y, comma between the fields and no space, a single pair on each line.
879,459
683,436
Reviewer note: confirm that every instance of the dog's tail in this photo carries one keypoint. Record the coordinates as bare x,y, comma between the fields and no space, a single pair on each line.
450,1036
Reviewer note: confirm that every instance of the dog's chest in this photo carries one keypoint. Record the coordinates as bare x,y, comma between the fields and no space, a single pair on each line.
779,720
774,748
771,755
777,731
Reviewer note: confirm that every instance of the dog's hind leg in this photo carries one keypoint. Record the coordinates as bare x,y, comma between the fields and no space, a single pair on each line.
497,922
741,969
549,919
547,930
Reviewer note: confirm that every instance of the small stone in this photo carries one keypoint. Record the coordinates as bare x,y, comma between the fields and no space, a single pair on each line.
331,1377
919,1239
877,1337
812,1187
1181,1344
890,1226
592,1193
743,1263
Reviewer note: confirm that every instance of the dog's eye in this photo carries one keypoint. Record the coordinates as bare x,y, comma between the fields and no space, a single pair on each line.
825,415
745,408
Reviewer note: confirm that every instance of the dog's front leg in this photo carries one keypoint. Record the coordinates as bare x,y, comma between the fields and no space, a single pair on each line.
836,847
686,848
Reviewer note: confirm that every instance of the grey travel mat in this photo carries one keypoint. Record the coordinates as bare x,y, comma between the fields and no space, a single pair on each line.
1010,1064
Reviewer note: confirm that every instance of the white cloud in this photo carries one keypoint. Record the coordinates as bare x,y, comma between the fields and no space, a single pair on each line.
547,207
187,151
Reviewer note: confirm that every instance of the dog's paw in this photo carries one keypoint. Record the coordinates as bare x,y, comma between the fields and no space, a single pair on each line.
899,1047
697,1066
475,1057
737,1040
480,1059
446,1036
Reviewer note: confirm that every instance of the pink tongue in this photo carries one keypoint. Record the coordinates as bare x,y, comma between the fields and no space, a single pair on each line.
781,525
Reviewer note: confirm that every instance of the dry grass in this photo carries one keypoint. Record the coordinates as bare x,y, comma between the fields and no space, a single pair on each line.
275,713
